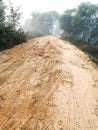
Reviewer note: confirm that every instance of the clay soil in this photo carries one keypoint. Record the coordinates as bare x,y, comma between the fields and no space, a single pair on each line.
48,84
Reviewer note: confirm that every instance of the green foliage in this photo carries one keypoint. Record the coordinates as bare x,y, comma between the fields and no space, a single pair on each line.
10,32
81,22
14,16
73,39
66,21
10,37
80,27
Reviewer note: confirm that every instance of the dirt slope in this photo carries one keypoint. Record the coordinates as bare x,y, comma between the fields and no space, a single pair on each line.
47,84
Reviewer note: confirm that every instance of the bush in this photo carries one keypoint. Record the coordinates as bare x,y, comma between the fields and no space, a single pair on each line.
11,32
10,36
73,39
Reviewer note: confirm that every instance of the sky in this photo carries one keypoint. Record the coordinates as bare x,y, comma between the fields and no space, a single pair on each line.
28,6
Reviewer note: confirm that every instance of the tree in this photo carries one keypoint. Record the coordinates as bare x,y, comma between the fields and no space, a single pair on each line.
10,33
66,21
81,22
50,20
32,26
14,16
42,23
85,20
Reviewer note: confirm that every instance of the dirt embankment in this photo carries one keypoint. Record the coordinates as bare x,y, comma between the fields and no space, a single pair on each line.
48,84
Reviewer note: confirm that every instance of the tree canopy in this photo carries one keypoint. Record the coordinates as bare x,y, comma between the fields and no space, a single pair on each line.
81,22
10,31
42,23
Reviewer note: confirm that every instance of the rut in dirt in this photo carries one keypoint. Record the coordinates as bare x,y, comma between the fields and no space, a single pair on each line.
48,84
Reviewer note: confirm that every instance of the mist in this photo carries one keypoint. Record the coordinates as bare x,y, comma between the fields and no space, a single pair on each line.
33,25
40,24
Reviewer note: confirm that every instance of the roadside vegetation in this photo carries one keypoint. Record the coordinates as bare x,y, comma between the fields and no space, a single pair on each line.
80,27
11,33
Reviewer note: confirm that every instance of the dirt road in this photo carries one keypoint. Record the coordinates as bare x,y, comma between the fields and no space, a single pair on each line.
48,84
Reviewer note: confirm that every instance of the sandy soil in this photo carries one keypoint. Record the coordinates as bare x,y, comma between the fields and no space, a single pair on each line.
48,84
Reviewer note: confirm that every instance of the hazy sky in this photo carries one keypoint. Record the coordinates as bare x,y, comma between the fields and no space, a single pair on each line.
28,6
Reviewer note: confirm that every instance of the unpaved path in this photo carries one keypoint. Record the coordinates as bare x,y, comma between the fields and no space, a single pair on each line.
47,84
